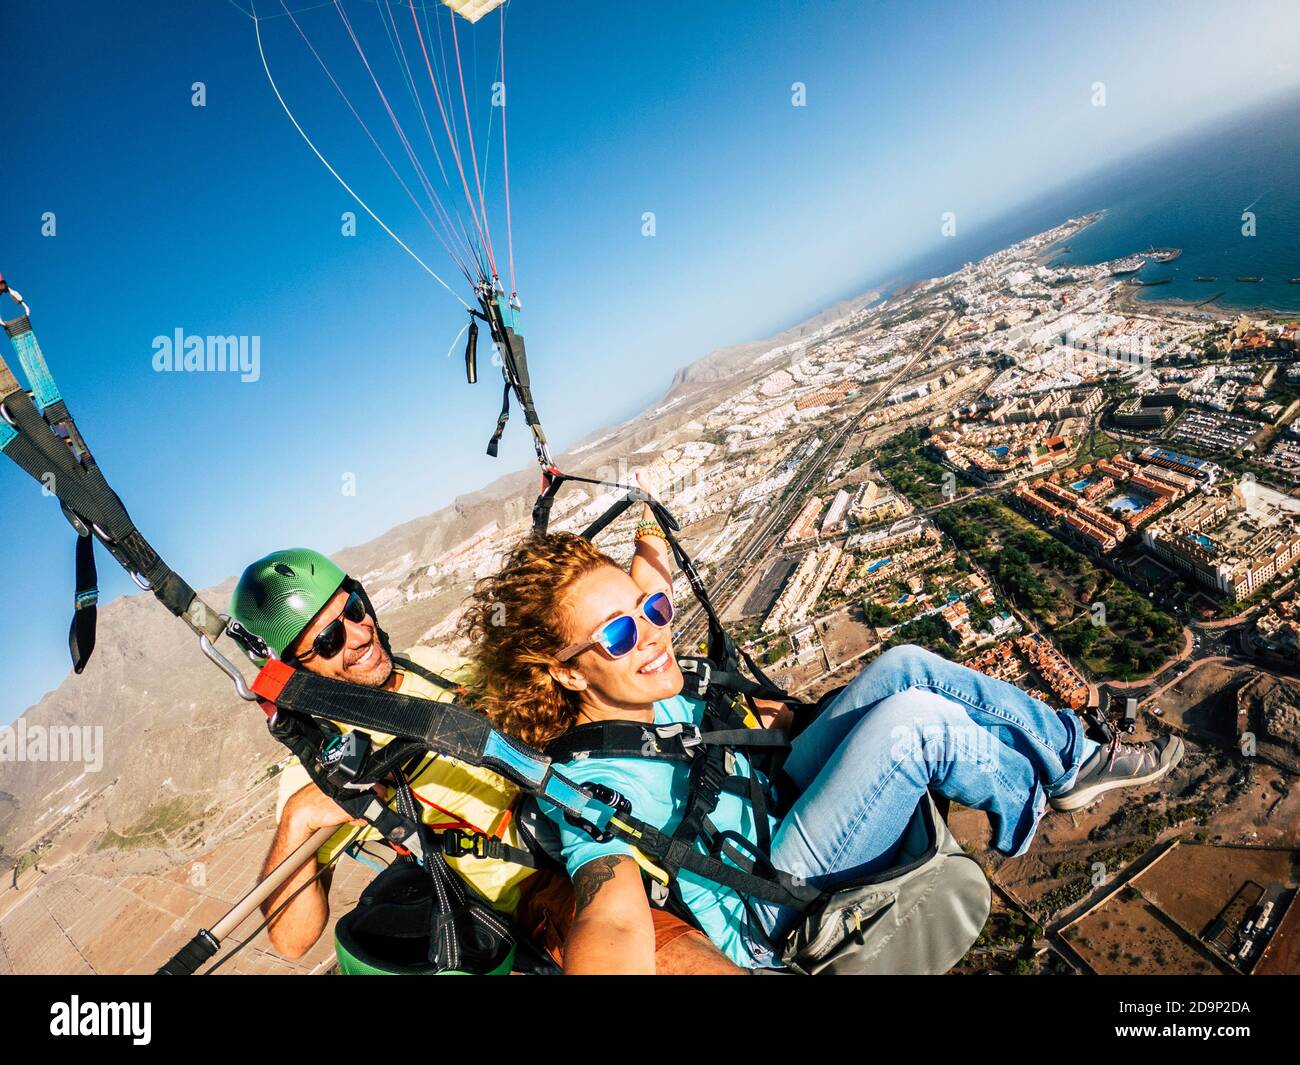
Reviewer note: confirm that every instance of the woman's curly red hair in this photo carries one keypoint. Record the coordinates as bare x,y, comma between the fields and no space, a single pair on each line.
513,620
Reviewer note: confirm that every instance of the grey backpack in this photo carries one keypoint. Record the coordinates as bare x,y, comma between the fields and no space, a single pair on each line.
920,916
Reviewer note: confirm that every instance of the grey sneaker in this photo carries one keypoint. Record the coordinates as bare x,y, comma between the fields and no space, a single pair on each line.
1120,765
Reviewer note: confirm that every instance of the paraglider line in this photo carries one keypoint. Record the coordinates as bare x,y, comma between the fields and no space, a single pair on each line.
337,176
460,265
505,153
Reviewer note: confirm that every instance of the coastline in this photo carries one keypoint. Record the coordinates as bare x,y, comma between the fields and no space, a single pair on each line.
1130,300
1050,251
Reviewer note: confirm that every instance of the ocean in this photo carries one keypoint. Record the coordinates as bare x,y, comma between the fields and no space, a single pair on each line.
1189,194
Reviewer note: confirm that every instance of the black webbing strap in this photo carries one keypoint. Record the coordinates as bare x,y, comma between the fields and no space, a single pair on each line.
81,633
82,489
514,371
304,736
516,357
705,678
673,743
502,418
678,854
445,728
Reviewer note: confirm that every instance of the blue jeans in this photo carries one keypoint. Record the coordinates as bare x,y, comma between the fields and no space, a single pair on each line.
909,722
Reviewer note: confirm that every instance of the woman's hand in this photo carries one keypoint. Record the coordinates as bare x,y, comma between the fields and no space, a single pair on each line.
651,560
648,485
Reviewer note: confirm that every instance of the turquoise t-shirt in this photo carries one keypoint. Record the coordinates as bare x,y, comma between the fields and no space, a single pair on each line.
657,791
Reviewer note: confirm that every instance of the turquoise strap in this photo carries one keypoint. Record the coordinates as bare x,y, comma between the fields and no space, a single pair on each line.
45,391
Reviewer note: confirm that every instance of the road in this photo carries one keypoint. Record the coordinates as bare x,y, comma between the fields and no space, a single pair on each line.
758,545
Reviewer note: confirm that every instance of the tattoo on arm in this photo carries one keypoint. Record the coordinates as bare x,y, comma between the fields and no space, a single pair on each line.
592,877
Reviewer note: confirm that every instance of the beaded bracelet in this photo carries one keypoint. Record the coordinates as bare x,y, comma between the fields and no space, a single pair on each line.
647,528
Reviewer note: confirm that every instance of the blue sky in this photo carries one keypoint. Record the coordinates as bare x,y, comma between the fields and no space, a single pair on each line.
218,220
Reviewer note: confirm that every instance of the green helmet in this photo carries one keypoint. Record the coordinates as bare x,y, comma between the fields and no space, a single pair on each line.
278,596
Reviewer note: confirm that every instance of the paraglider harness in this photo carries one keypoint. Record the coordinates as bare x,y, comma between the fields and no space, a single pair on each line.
301,708
38,432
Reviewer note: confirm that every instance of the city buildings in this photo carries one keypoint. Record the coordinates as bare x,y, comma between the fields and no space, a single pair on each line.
1234,539
802,589
875,504
1135,413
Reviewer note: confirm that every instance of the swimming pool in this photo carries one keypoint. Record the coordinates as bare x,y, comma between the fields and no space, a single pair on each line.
880,563
1079,486
1128,504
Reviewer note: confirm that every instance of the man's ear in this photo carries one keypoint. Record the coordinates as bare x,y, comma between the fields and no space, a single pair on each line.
567,677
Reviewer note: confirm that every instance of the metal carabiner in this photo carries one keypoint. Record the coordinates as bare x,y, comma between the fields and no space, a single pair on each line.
228,668
14,295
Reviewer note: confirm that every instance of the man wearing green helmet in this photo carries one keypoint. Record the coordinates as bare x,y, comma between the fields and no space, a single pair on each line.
310,614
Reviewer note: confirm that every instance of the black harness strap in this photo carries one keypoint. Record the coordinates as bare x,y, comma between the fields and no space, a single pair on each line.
702,673
502,418
81,633
447,728
676,742
306,738
515,376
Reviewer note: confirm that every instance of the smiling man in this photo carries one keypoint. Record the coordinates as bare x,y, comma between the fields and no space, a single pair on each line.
315,617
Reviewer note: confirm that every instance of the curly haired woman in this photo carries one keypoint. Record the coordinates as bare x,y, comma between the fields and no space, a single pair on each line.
563,636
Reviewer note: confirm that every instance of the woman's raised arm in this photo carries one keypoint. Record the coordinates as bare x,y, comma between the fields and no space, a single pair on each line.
652,563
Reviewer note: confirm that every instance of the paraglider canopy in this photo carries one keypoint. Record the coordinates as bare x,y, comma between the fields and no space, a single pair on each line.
473,9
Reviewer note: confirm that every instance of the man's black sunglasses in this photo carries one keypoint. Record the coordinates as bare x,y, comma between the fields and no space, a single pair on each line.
334,635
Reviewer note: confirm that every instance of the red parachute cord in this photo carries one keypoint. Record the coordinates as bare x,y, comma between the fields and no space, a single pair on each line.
456,820
473,156
456,258
460,233
505,155
418,102
455,151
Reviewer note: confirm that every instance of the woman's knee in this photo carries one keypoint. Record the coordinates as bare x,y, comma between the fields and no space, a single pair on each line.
896,670
900,656
925,729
